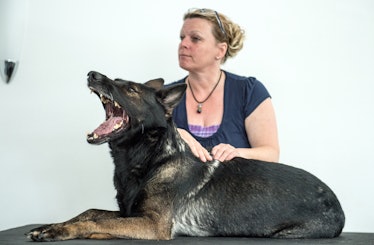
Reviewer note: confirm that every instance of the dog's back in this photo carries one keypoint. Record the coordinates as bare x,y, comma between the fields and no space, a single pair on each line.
253,198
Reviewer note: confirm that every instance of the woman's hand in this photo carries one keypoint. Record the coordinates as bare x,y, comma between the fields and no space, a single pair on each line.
224,152
197,149
221,152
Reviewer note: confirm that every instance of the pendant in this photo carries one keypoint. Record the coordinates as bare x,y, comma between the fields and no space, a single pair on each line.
199,108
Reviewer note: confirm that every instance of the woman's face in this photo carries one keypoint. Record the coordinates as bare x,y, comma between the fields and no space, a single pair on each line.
198,48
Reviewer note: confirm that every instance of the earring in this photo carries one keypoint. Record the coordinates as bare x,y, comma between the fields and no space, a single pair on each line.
217,57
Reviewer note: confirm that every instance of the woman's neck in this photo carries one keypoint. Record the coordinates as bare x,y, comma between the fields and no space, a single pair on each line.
201,81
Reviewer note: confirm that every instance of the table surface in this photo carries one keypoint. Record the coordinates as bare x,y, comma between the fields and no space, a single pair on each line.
16,236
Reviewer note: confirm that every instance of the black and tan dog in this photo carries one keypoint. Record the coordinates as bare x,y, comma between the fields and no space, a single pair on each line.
164,191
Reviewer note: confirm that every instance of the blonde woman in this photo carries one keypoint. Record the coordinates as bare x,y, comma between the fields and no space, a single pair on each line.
222,115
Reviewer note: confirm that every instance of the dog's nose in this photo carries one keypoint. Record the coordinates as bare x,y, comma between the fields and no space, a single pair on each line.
93,75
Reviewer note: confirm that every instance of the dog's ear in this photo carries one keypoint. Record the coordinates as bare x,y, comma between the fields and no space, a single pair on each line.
170,97
155,83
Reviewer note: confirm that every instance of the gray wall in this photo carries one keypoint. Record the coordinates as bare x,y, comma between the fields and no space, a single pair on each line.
315,56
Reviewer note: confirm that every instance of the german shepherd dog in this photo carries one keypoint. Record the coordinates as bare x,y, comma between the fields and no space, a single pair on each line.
163,190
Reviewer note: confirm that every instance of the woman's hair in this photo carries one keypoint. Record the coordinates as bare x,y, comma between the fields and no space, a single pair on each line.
224,30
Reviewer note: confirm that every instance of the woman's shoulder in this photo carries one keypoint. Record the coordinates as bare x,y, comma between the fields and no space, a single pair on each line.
241,81
252,91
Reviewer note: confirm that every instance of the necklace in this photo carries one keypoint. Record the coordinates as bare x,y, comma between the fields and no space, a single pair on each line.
200,103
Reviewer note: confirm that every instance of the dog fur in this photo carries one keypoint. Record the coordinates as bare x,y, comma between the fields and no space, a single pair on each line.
164,191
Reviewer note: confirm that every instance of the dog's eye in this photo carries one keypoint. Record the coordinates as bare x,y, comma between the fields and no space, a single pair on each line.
131,89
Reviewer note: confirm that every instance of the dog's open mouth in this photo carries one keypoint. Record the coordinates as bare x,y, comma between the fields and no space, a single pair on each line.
116,121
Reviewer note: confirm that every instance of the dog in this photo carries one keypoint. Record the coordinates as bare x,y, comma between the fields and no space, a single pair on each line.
164,191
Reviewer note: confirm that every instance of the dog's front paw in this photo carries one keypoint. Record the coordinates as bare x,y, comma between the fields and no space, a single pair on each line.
48,233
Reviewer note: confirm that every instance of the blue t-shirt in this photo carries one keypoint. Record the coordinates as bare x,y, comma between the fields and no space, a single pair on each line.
242,95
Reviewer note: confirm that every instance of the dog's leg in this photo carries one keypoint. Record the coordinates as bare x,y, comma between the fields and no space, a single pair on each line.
41,232
87,227
94,214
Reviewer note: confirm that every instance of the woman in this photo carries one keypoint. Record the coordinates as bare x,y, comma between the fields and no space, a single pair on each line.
222,115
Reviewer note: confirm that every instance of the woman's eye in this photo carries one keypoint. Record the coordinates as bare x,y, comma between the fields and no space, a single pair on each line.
195,39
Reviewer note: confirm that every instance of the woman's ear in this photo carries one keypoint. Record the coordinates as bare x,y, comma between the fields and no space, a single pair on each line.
222,49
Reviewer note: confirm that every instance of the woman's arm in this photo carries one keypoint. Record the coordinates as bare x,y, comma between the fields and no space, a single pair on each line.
261,128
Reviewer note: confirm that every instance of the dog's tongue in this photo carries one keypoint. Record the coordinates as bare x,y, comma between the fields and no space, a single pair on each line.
108,126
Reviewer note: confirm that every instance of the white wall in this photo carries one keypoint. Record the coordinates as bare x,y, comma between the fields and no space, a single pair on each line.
315,56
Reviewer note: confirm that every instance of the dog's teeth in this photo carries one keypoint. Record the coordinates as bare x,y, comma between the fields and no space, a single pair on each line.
116,104
103,99
95,136
118,125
